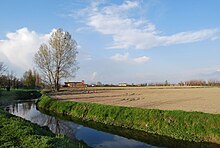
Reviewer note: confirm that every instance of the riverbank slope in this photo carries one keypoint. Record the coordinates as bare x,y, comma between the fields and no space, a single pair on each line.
190,126
17,132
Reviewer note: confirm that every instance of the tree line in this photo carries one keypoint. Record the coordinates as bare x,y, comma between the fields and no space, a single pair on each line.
187,83
200,83
30,80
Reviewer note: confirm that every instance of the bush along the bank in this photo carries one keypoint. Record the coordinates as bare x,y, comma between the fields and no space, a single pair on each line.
17,132
27,94
190,126
20,94
10,97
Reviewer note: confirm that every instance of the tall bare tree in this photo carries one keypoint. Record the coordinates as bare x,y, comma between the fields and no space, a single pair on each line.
58,59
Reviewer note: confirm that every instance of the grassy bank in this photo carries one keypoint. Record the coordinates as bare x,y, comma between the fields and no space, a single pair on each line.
191,126
151,139
17,132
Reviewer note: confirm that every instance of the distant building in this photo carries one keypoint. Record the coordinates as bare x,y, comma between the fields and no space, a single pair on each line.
123,84
75,84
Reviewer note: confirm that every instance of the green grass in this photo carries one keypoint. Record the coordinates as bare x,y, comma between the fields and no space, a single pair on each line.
17,132
190,126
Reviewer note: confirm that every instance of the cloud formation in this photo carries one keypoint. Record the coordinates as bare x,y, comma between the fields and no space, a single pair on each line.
141,60
120,57
20,46
125,58
131,32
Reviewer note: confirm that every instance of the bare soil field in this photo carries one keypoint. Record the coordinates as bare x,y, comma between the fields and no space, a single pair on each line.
165,98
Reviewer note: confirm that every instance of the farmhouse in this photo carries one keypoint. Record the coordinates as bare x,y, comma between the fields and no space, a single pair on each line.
75,84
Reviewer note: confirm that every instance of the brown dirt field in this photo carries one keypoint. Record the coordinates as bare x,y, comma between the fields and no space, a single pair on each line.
165,98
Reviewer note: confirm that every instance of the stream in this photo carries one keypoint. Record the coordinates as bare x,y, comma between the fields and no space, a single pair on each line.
90,136
95,134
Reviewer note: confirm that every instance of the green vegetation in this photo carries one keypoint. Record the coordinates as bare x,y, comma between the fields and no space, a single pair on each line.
9,97
32,79
190,126
17,132
152,139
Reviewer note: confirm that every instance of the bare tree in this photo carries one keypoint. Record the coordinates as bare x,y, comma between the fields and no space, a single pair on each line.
3,68
58,59
11,77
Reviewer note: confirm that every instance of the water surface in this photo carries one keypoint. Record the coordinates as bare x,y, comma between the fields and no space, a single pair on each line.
90,136
97,134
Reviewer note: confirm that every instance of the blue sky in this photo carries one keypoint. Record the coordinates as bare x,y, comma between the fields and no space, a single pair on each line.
140,41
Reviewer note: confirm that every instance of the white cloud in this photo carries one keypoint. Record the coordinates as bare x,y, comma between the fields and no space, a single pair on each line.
125,58
120,57
130,32
141,60
20,46
128,5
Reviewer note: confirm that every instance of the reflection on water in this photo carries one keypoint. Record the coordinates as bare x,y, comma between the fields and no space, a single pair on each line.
91,137
97,134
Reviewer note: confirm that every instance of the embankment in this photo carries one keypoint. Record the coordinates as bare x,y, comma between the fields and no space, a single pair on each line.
17,132
190,126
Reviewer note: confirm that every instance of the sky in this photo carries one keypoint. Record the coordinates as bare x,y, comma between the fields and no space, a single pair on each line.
130,41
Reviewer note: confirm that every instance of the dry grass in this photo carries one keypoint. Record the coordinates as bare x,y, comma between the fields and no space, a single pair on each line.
165,98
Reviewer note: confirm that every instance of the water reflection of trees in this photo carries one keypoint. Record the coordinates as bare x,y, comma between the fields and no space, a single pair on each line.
28,111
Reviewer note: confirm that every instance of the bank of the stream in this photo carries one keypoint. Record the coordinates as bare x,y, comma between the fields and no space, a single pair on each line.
17,132
190,126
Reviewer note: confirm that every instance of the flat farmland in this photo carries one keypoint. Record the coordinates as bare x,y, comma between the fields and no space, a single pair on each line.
166,98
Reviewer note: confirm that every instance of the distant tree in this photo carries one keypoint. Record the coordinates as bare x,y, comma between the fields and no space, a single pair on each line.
213,83
99,84
58,59
31,79
196,83
3,81
3,68
166,83
38,83
181,83
10,78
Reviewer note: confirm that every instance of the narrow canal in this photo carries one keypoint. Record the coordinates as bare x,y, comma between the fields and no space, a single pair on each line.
95,134
90,136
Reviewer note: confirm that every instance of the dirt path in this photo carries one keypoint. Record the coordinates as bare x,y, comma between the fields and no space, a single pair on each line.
187,99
